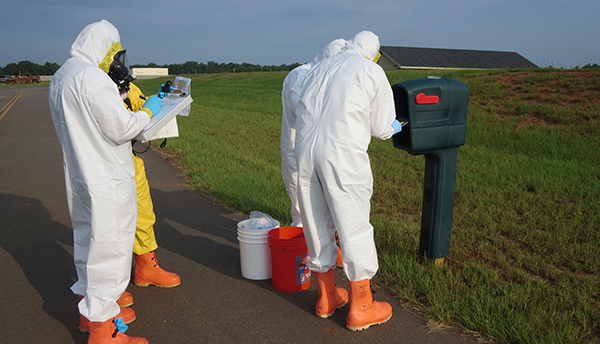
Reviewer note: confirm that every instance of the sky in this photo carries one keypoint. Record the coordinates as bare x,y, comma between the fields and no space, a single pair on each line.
558,33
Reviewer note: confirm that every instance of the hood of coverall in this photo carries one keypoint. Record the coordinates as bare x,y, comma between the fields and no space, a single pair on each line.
97,44
365,43
331,49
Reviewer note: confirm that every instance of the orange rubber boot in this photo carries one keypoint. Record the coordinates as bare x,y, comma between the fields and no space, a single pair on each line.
364,311
339,261
125,300
330,296
128,315
107,333
148,271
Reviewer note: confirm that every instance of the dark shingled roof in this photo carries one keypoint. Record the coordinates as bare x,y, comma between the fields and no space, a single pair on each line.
453,58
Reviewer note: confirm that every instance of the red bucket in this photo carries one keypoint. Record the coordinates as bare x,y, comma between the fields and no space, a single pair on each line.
289,256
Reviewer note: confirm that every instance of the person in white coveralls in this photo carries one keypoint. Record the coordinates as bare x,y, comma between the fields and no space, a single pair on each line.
95,132
345,100
290,94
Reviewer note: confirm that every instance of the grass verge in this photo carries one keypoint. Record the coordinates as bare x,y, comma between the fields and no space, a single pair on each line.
524,263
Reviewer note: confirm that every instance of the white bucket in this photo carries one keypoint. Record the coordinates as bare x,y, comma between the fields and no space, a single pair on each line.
255,254
255,258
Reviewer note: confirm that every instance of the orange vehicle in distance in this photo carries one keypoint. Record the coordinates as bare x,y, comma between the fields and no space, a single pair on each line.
26,78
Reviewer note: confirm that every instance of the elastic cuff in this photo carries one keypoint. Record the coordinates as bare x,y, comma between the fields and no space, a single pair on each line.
146,110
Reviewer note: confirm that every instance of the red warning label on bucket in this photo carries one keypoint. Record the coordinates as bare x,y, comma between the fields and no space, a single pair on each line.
302,271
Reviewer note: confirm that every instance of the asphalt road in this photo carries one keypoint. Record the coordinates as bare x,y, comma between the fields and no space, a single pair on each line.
197,239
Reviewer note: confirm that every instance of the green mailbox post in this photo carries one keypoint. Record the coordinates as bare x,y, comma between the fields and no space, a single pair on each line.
435,110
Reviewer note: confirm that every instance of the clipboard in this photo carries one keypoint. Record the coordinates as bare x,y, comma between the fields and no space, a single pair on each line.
170,108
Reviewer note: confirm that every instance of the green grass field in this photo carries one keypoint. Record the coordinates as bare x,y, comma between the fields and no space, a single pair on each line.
524,263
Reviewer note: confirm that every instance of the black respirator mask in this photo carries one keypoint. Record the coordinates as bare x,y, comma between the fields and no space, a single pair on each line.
119,71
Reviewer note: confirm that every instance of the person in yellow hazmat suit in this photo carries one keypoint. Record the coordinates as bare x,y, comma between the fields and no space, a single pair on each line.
346,99
95,132
147,270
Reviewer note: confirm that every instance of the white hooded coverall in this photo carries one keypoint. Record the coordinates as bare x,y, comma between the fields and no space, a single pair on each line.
94,130
345,100
290,94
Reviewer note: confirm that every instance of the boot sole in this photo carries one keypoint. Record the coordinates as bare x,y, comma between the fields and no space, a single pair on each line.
156,285
325,316
124,306
360,328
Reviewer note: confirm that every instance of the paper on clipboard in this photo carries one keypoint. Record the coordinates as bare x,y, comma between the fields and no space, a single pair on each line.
170,108
169,130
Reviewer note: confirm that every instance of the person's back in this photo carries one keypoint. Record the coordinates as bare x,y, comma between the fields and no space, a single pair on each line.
335,107
346,100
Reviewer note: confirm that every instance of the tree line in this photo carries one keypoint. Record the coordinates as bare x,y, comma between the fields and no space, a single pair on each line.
190,67
29,67
193,67
589,66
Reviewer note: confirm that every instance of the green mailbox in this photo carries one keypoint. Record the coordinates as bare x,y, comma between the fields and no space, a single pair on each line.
434,114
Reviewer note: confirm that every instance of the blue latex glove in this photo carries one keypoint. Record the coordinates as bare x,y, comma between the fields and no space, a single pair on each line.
153,104
397,127
120,324
163,94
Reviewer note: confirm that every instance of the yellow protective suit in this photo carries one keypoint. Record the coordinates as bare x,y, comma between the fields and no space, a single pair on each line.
145,240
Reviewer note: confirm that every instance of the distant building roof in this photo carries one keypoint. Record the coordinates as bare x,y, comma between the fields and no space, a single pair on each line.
147,73
403,57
